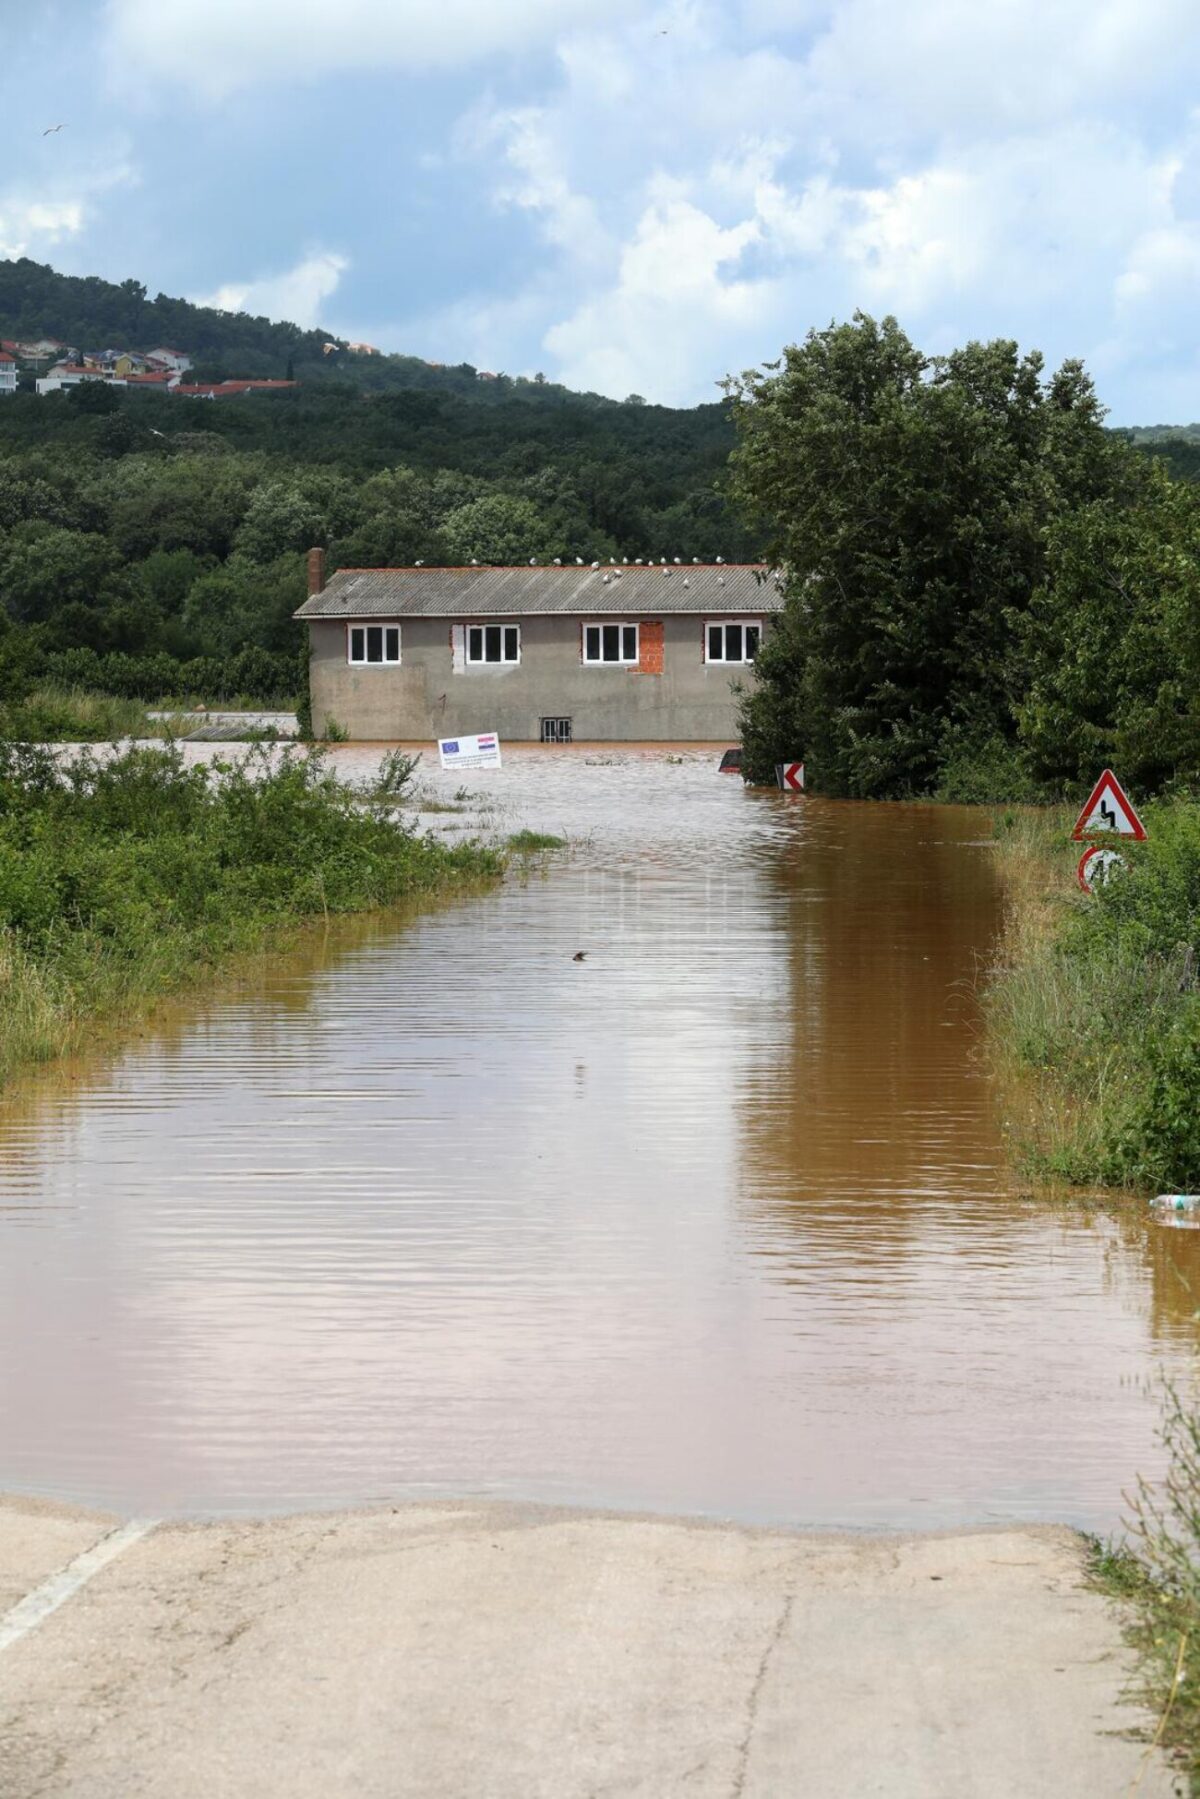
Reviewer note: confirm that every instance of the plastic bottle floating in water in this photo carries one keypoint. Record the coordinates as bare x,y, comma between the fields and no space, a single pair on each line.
1177,1202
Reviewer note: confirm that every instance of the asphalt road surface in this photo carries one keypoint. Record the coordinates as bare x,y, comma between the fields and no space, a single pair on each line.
479,1651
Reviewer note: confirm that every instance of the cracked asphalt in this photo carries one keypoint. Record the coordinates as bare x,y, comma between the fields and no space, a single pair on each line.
486,1651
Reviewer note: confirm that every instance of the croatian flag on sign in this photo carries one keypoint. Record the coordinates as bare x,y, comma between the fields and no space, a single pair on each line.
470,752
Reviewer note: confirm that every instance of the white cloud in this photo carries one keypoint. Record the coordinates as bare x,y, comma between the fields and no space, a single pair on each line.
218,46
677,298
537,181
33,223
933,66
1014,169
296,295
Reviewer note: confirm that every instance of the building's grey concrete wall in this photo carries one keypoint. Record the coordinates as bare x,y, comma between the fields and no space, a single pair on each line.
425,698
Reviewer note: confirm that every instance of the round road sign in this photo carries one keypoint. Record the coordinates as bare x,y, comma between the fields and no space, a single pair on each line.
1096,866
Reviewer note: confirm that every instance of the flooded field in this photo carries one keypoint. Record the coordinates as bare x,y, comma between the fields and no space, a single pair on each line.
716,1220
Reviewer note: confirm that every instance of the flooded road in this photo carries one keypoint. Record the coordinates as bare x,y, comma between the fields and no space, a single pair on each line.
714,1221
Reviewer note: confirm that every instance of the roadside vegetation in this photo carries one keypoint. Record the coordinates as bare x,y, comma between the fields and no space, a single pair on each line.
127,877
1094,1004
1154,1571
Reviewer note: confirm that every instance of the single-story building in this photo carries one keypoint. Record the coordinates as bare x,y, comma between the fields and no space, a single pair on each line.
557,654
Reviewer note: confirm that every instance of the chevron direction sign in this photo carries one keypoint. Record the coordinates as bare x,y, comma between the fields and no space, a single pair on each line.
1109,809
790,776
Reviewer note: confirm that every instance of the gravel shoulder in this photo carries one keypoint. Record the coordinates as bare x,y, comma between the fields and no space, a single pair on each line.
486,1651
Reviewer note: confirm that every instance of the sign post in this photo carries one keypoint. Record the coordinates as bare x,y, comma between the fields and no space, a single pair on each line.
470,752
790,776
1110,811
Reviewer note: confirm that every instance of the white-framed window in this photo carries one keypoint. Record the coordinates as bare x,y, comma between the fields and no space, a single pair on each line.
374,646
493,643
732,640
612,643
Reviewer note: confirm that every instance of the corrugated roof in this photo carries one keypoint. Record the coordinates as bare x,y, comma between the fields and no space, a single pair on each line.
714,588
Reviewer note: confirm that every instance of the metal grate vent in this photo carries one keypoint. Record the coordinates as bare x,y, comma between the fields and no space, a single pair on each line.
556,730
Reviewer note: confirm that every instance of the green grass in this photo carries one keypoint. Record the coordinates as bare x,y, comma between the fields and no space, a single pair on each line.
534,843
1093,1006
125,878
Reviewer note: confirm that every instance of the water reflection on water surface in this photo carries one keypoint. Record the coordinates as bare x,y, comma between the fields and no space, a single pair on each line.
715,1221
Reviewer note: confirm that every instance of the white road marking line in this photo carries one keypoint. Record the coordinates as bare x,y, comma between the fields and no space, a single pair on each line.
29,1612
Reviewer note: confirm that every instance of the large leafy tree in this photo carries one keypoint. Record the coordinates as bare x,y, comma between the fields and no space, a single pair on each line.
1110,644
905,499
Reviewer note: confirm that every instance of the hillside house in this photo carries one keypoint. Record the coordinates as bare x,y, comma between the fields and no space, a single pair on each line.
619,654
70,374
177,361
41,349
8,374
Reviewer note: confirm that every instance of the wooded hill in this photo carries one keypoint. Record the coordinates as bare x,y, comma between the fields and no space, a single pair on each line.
153,544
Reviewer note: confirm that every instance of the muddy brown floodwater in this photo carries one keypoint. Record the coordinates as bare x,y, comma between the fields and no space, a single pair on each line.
715,1221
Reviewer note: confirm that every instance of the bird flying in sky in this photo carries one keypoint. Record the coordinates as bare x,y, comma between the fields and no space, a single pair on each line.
50,128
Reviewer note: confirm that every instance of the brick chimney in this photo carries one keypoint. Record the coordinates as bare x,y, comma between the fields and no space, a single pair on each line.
316,571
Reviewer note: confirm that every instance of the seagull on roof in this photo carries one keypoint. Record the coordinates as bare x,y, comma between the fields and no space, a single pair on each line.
50,129
558,562
418,564
720,560
679,558
695,558
579,561
474,562
533,562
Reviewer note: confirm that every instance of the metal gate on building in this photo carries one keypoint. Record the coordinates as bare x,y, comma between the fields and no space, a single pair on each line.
556,730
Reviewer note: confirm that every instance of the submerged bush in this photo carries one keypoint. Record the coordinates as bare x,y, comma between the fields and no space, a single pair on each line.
69,715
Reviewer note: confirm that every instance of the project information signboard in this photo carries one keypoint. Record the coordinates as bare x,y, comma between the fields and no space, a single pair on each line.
470,752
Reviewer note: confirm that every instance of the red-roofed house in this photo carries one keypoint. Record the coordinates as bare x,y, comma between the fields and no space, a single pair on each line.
225,390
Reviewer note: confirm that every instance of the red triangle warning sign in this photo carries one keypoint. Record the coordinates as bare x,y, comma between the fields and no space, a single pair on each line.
1109,809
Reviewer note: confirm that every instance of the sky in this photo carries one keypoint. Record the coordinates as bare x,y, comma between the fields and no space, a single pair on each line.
630,197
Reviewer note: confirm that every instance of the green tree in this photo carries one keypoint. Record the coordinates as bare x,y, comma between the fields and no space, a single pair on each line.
1110,644
905,500
498,528
44,568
